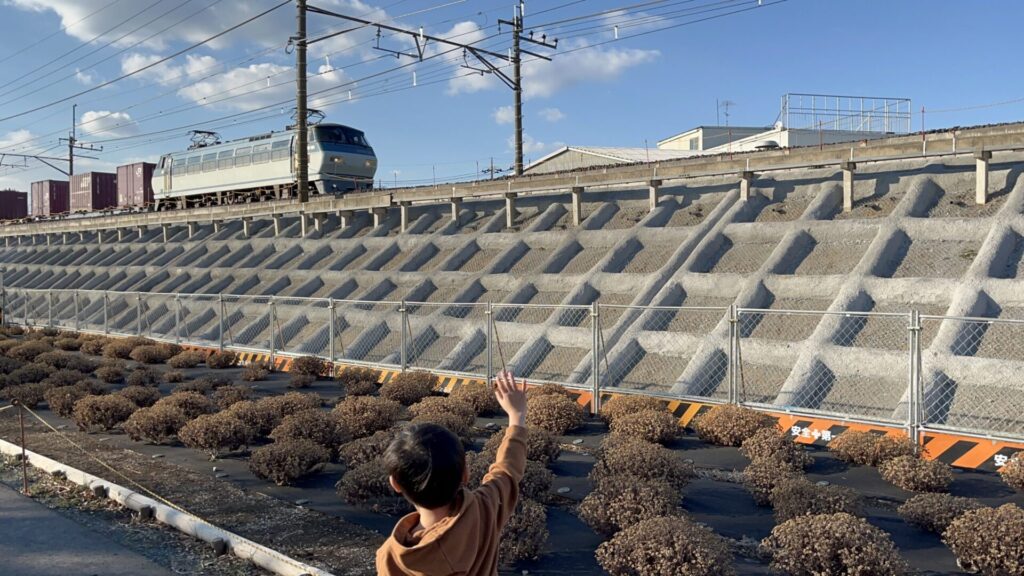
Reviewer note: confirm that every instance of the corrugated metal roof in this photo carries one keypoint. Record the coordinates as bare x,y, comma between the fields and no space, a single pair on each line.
615,154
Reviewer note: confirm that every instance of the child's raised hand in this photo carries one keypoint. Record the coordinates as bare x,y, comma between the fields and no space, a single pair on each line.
512,397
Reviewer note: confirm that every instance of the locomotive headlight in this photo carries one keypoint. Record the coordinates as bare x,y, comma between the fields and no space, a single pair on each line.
368,163
337,159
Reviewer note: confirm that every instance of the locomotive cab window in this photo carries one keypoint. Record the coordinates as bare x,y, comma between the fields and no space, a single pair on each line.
193,165
341,135
209,162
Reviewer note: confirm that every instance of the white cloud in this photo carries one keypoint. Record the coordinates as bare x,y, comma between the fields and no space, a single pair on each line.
505,115
259,85
543,79
86,78
109,124
552,114
14,141
534,147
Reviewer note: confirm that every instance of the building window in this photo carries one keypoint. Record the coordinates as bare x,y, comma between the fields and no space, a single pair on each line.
694,143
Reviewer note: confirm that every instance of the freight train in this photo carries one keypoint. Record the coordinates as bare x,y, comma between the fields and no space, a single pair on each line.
252,169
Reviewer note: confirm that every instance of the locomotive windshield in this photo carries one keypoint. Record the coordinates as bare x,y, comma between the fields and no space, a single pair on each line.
341,135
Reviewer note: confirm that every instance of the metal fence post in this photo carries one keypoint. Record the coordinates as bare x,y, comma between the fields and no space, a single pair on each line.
49,308
138,313
221,309
914,391
78,323
733,359
177,318
106,327
273,320
489,314
595,371
3,300
330,330
404,353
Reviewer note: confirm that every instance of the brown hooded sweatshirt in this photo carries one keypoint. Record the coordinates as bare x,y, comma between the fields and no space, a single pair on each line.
466,542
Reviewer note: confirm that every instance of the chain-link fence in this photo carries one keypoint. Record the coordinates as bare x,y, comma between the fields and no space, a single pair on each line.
923,372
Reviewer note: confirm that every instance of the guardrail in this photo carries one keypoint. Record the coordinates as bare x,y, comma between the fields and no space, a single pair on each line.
947,143
920,373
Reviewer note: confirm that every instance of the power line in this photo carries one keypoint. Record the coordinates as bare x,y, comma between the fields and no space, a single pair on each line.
54,33
148,66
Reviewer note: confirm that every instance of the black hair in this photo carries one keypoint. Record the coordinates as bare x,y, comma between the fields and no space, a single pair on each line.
427,462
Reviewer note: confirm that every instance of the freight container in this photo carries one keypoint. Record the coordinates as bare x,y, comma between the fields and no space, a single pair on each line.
93,191
50,197
135,185
13,205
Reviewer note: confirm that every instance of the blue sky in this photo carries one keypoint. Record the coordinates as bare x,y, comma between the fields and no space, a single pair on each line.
943,54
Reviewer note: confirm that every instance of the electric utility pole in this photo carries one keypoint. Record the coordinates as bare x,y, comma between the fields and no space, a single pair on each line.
73,143
517,74
515,83
301,131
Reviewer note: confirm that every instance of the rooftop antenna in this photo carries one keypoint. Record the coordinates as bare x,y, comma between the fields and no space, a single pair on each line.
725,105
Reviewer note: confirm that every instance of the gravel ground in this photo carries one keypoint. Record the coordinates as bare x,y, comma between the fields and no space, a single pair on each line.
479,260
583,261
741,257
785,211
963,205
782,326
871,207
626,217
649,259
832,258
937,259
689,215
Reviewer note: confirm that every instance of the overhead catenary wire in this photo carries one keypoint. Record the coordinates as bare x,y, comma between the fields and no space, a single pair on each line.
27,47
148,66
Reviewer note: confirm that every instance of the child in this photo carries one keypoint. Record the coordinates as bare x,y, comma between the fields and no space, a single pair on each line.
453,530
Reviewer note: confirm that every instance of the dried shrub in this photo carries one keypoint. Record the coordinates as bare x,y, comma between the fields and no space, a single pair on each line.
409,387
368,485
7,345
666,545
93,386
171,349
110,374
142,396
361,388
226,396
288,460
1013,472
525,534
441,405
203,385
643,460
917,474
622,501
151,354
63,377
869,449
478,396
554,413
191,404
623,405
30,374
356,374
832,544
310,366
258,416
8,365
156,425
255,372
362,450
14,330
66,361
762,475
651,425
794,497
27,351
547,390
215,433
301,381
174,376
314,424
730,425
143,377
31,395
541,445
121,349
104,412
61,399
290,403
988,540
935,512
186,359
361,416
94,346
66,343
221,360
774,444
453,423
536,482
